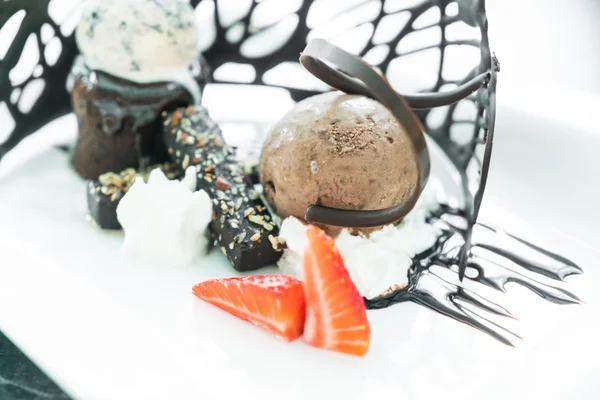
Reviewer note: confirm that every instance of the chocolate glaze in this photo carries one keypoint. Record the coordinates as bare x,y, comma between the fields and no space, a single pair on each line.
241,225
493,264
119,120
102,208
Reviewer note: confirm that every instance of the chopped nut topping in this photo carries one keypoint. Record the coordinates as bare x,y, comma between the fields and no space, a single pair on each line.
277,243
222,183
202,142
177,115
257,219
241,237
393,288
238,203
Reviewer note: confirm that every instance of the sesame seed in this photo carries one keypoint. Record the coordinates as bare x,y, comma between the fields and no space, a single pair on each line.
268,226
248,212
255,237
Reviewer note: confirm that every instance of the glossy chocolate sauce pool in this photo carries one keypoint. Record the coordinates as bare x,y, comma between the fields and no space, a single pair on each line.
496,258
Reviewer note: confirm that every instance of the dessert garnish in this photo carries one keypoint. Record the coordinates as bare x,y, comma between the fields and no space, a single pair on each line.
241,223
378,261
327,307
104,194
164,220
336,316
272,302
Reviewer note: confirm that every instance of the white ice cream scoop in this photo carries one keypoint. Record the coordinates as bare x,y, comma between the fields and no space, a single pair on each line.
141,40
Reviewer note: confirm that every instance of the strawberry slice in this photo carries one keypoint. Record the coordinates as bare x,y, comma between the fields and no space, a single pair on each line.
273,302
336,316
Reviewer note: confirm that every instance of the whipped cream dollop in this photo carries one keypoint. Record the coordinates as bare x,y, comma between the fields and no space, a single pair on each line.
378,262
164,220
141,40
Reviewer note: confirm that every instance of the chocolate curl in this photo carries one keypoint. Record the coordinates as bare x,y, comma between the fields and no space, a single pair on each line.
352,75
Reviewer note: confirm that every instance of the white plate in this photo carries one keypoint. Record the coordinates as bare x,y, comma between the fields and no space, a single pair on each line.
109,327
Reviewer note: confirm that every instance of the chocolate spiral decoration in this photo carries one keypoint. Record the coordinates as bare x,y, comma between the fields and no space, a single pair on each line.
350,68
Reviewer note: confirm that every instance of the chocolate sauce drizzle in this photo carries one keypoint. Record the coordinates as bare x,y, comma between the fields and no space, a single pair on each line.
490,263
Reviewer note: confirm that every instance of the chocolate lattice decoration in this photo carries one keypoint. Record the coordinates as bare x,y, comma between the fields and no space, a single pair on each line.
382,27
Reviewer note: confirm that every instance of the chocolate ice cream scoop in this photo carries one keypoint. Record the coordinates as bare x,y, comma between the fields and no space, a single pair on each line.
340,151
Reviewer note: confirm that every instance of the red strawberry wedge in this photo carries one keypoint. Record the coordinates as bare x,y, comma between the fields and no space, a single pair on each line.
336,316
273,302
